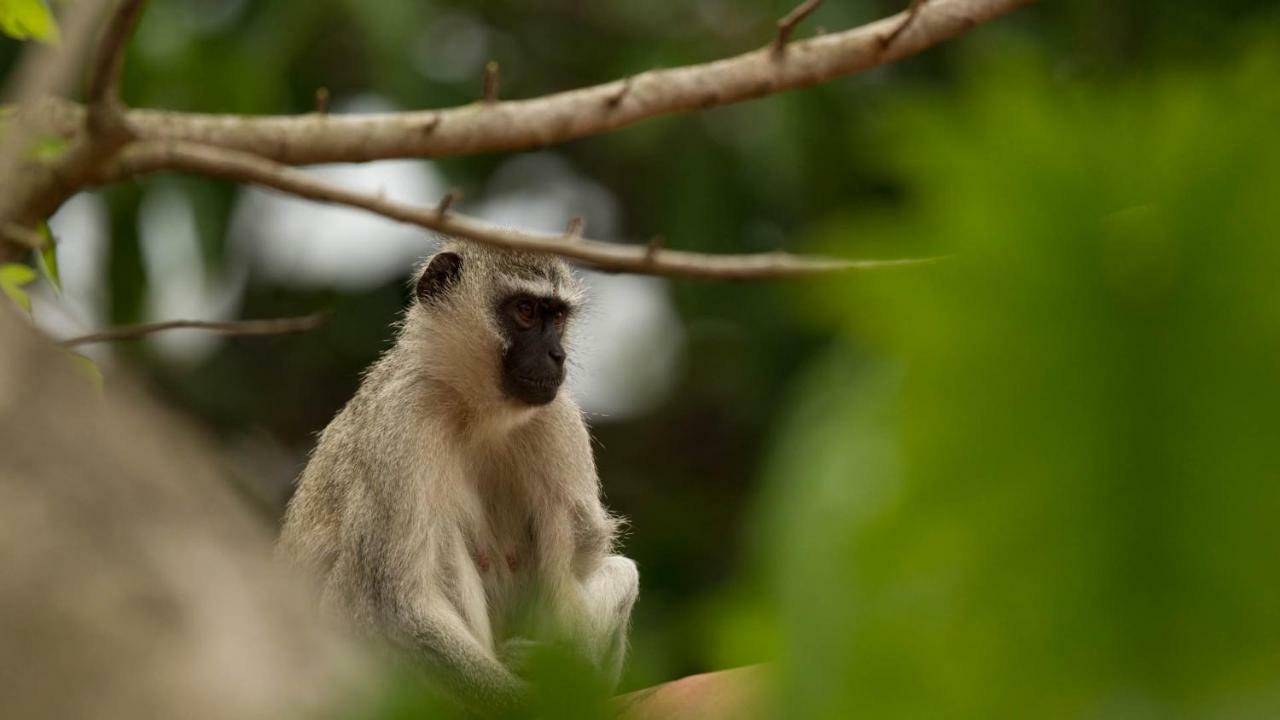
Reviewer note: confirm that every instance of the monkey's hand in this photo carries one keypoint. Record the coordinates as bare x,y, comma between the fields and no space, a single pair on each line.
515,653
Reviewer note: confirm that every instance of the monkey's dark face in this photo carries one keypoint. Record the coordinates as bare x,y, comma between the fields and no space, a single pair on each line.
533,365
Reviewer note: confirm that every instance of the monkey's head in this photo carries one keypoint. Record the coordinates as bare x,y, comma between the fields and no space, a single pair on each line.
497,322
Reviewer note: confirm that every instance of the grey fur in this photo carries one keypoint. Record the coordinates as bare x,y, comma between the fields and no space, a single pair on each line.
453,520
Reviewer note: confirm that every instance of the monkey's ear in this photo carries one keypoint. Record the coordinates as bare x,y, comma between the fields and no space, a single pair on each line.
441,273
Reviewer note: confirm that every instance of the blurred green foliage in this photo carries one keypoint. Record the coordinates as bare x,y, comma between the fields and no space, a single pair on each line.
27,19
1037,479
13,276
1051,488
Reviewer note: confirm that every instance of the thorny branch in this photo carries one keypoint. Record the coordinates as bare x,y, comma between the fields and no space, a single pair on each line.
146,158
508,125
259,149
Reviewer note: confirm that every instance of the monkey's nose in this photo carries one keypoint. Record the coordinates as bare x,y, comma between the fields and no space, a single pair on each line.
557,355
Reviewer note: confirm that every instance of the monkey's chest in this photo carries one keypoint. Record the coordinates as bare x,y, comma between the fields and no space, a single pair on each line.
504,560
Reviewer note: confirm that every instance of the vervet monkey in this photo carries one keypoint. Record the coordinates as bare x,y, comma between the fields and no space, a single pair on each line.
453,504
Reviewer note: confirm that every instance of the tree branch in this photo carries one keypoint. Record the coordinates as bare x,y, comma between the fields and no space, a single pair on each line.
521,124
276,326
105,108
787,23
144,158
41,70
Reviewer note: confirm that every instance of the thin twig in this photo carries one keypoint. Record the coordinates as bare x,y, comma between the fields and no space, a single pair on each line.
491,81
912,11
274,326
105,110
574,232
322,100
144,158
653,247
616,97
787,23
443,206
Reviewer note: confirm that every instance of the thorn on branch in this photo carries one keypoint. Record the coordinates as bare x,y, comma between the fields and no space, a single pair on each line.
912,11
787,23
574,232
446,202
491,81
430,125
651,250
322,100
275,326
615,97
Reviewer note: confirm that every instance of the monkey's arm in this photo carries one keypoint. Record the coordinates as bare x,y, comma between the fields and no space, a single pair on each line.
609,594
594,589
470,670
399,571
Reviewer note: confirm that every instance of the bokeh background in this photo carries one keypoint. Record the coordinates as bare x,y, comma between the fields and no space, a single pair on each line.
1042,477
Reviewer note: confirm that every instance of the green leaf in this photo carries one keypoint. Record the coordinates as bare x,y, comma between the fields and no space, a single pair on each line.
12,277
90,368
27,19
49,257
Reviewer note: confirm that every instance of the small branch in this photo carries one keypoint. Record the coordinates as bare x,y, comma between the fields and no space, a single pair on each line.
491,81
322,100
787,23
653,247
615,97
105,108
145,158
912,11
574,232
445,202
276,326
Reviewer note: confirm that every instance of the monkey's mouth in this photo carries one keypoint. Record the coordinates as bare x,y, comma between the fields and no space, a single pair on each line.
534,390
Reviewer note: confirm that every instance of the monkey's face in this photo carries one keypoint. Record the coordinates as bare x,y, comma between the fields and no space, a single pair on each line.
533,363
497,323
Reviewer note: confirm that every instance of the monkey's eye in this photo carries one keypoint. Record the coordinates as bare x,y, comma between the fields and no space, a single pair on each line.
558,317
525,312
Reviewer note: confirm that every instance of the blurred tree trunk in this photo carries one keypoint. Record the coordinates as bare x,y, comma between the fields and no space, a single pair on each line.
135,584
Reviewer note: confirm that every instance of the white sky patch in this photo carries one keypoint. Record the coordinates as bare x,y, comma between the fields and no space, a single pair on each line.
82,232
298,242
630,349
179,284
452,48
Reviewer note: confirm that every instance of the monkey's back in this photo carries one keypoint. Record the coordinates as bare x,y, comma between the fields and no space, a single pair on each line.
354,448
